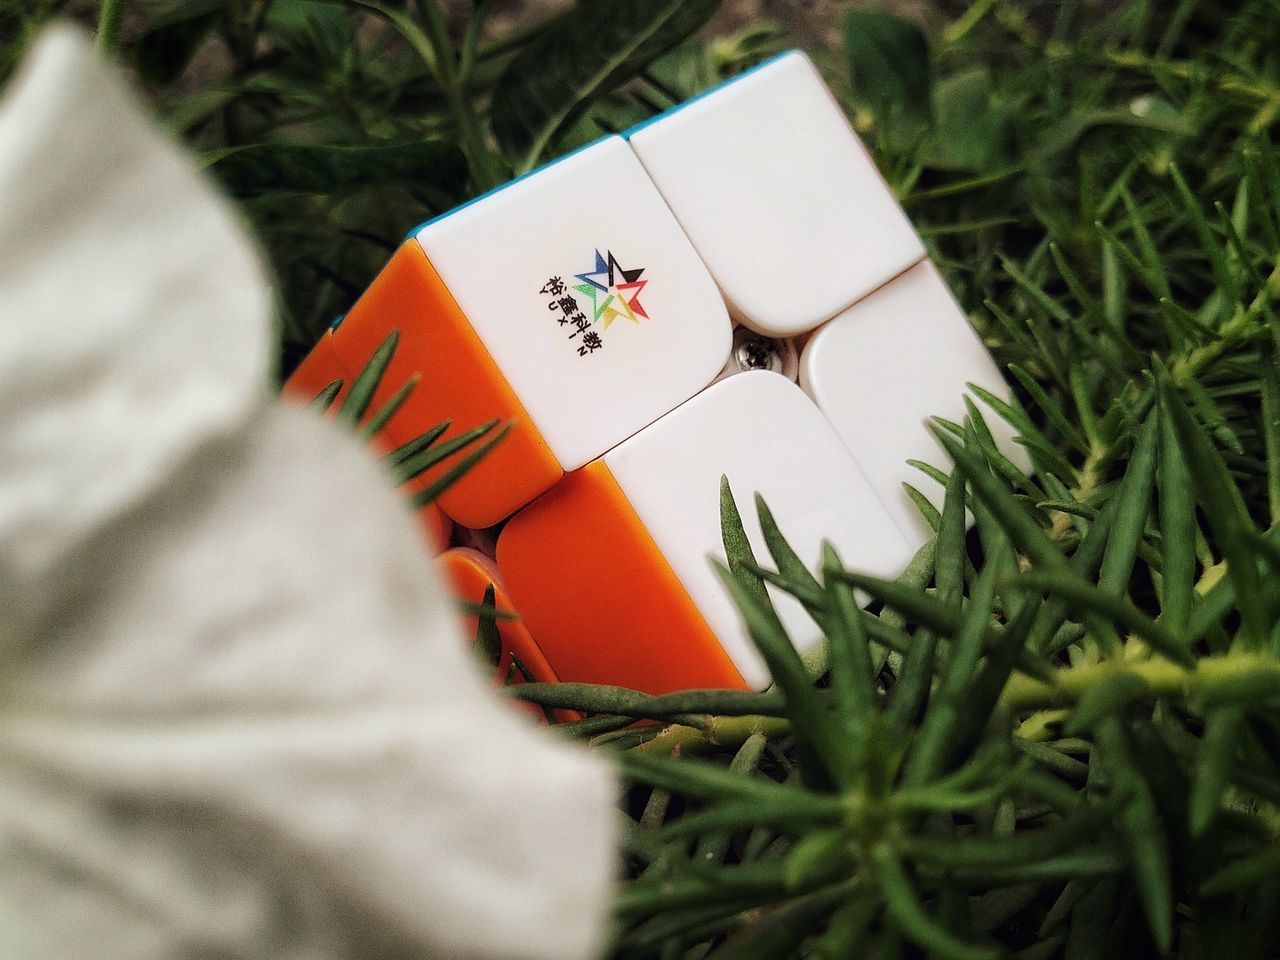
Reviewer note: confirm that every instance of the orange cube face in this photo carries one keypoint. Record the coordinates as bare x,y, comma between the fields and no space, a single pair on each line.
601,598
459,382
471,574
612,568
318,369
321,367
436,528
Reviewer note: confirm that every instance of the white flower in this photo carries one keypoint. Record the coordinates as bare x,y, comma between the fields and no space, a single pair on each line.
237,718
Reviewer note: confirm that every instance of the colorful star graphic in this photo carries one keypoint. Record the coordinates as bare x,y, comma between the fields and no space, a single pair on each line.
614,292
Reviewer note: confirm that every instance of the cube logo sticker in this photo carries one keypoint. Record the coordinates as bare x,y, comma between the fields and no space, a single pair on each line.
614,293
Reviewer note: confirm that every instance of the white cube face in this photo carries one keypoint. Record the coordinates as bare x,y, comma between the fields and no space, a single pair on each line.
779,196
766,436
882,368
587,294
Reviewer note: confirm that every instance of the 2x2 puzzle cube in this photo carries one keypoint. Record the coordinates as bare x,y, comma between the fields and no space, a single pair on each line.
593,297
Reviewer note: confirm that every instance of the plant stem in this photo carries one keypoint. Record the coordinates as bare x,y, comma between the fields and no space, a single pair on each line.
1247,676
599,698
484,171
1209,676
110,17
719,732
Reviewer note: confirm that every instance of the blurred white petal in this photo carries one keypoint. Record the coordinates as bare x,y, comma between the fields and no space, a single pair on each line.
134,322
239,720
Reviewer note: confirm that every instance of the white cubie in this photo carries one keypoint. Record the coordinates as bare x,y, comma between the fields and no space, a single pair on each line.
587,294
779,196
886,365
766,436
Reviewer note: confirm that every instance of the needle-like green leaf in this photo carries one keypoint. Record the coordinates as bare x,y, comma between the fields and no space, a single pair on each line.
932,614
1269,383
1108,696
488,640
1028,535
810,717
949,559
424,460
713,845
938,726
795,813
813,599
702,780
846,932
388,410
903,904
1028,433
776,934
1218,495
1141,827
1204,234
1051,409
431,493
910,694
1133,503
1026,846
1214,761
324,399
1110,608
737,547
1177,532
419,443
852,674
789,563
1248,871
367,381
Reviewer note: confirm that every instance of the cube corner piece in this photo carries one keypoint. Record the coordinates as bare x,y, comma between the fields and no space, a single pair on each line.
779,196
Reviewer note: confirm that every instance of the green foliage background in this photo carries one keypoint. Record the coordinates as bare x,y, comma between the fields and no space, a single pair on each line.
1056,735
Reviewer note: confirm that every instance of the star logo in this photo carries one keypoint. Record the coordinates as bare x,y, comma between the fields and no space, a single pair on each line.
614,292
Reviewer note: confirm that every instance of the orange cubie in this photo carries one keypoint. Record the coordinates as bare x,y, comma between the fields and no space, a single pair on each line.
568,304
612,569
518,658
587,305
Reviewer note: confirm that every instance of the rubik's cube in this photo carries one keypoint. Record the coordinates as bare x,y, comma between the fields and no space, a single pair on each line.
727,289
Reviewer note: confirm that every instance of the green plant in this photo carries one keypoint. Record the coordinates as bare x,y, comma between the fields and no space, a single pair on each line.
1055,736
420,454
